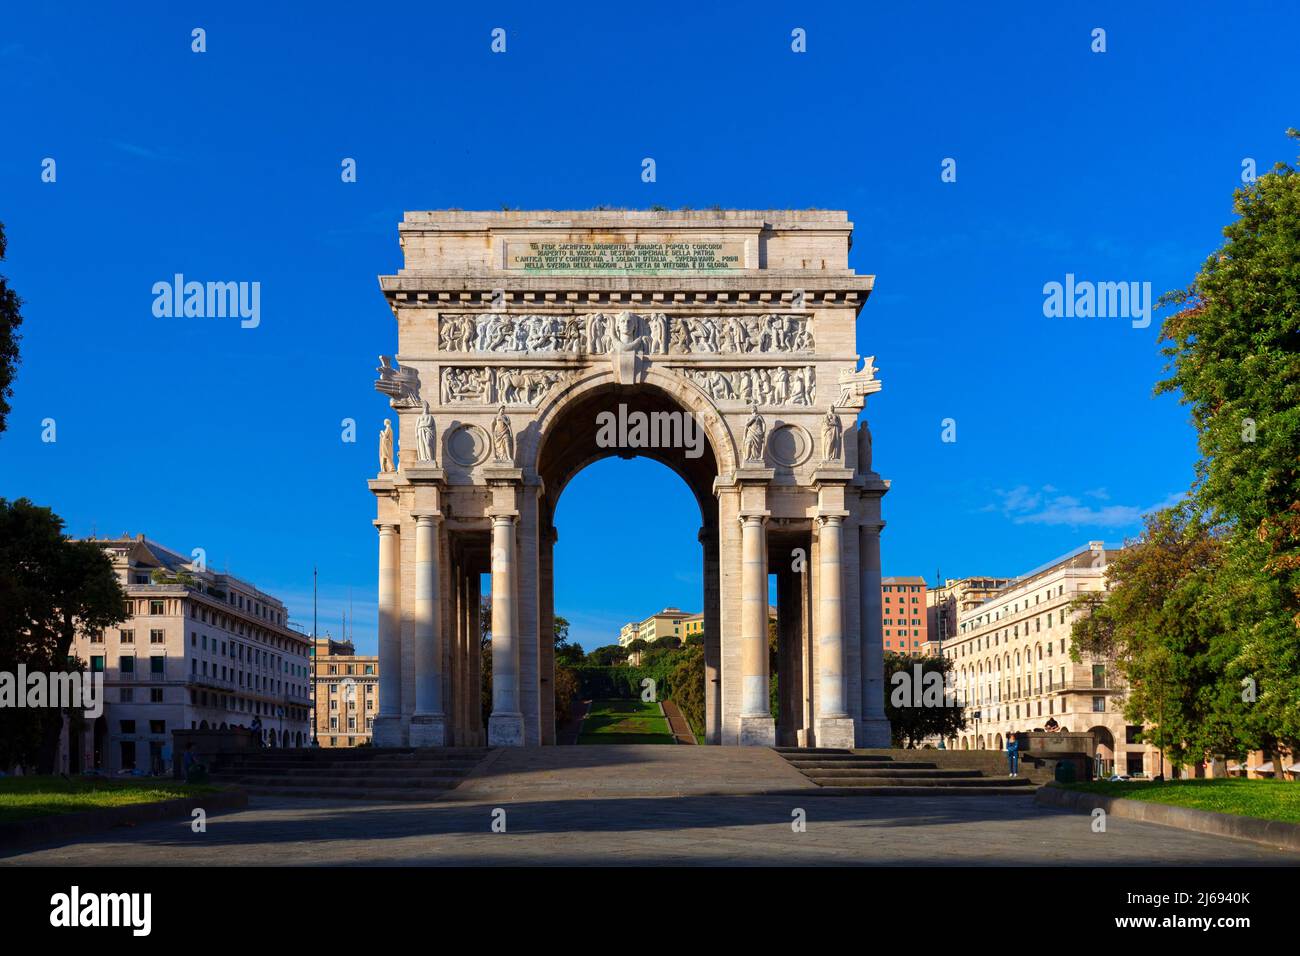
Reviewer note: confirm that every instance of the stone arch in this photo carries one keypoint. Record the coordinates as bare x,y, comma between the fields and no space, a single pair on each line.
686,395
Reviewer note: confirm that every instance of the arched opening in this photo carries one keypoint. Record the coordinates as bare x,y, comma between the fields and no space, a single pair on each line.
612,511
1104,755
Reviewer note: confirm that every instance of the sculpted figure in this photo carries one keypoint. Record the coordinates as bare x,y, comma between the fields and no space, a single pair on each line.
424,436
681,340
780,385
799,388
864,448
386,448
658,334
503,439
831,435
755,436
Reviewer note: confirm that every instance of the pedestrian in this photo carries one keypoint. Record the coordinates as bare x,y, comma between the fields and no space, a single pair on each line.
1013,755
257,731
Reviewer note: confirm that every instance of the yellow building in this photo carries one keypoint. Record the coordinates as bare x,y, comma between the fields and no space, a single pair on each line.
345,694
670,622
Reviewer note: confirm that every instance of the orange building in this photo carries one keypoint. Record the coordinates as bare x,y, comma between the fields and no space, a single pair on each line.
903,627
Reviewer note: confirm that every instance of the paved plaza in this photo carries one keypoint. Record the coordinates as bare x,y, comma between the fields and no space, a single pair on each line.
607,806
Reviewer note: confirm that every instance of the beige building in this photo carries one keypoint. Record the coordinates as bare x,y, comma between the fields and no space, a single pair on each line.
345,694
722,343
956,596
670,622
197,650
1012,669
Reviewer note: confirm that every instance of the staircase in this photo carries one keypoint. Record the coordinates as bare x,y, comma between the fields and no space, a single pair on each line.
877,774
364,773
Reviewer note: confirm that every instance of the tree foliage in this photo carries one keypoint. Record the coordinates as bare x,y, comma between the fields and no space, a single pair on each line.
918,709
11,319
50,588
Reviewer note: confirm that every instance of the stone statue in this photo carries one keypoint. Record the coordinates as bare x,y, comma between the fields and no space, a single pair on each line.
503,439
831,435
386,449
755,436
864,448
424,436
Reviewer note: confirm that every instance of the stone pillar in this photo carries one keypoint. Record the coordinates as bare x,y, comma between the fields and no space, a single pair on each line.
712,638
834,726
428,724
506,725
789,620
757,727
388,725
546,631
875,725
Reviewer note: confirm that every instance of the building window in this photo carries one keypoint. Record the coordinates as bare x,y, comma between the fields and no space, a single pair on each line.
126,665
157,636
1099,705
157,607
155,695
126,637
126,695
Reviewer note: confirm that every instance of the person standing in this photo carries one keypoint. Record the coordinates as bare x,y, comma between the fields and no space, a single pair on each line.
1013,755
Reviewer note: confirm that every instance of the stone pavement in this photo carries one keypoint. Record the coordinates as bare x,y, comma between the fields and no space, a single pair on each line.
607,806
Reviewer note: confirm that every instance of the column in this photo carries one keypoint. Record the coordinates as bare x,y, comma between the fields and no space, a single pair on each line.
875,725
428,724
388,725
756,725
712,638
834,726
546,632
506,725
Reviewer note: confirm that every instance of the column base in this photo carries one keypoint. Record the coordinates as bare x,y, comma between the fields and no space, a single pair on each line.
428,730
506,730
757,732
835,732
388,732
875,732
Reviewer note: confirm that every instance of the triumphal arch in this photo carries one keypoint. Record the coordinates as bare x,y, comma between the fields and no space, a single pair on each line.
518,333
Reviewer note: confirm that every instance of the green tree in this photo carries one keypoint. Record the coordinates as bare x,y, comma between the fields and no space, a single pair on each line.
686,685
919,707
608,656
1163,627
11,319
51,587
1233,346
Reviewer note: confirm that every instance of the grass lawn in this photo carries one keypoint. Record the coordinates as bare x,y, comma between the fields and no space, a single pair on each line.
625,722
25,797
1266,799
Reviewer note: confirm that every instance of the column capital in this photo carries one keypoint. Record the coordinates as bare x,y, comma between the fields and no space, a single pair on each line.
387,527
424,517
754,516
499,517
831,517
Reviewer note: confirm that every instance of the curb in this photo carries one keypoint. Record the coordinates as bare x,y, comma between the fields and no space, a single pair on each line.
62,826
1274,833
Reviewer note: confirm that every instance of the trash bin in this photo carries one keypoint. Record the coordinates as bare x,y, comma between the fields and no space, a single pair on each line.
1065,771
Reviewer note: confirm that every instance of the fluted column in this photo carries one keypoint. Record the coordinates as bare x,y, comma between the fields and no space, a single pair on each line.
506,725
388,724
757,727
429,724
875,724
834,726
712,638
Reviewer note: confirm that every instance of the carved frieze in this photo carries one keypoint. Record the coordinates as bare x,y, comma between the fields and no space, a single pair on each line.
769,385
598,333
498,386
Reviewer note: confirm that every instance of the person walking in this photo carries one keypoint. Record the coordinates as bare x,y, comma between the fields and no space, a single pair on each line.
1013,755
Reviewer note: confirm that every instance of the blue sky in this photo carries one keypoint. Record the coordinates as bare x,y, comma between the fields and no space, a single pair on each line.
1115,166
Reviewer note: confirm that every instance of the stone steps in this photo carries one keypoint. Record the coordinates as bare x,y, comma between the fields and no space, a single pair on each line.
863,765
363,773
838,771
